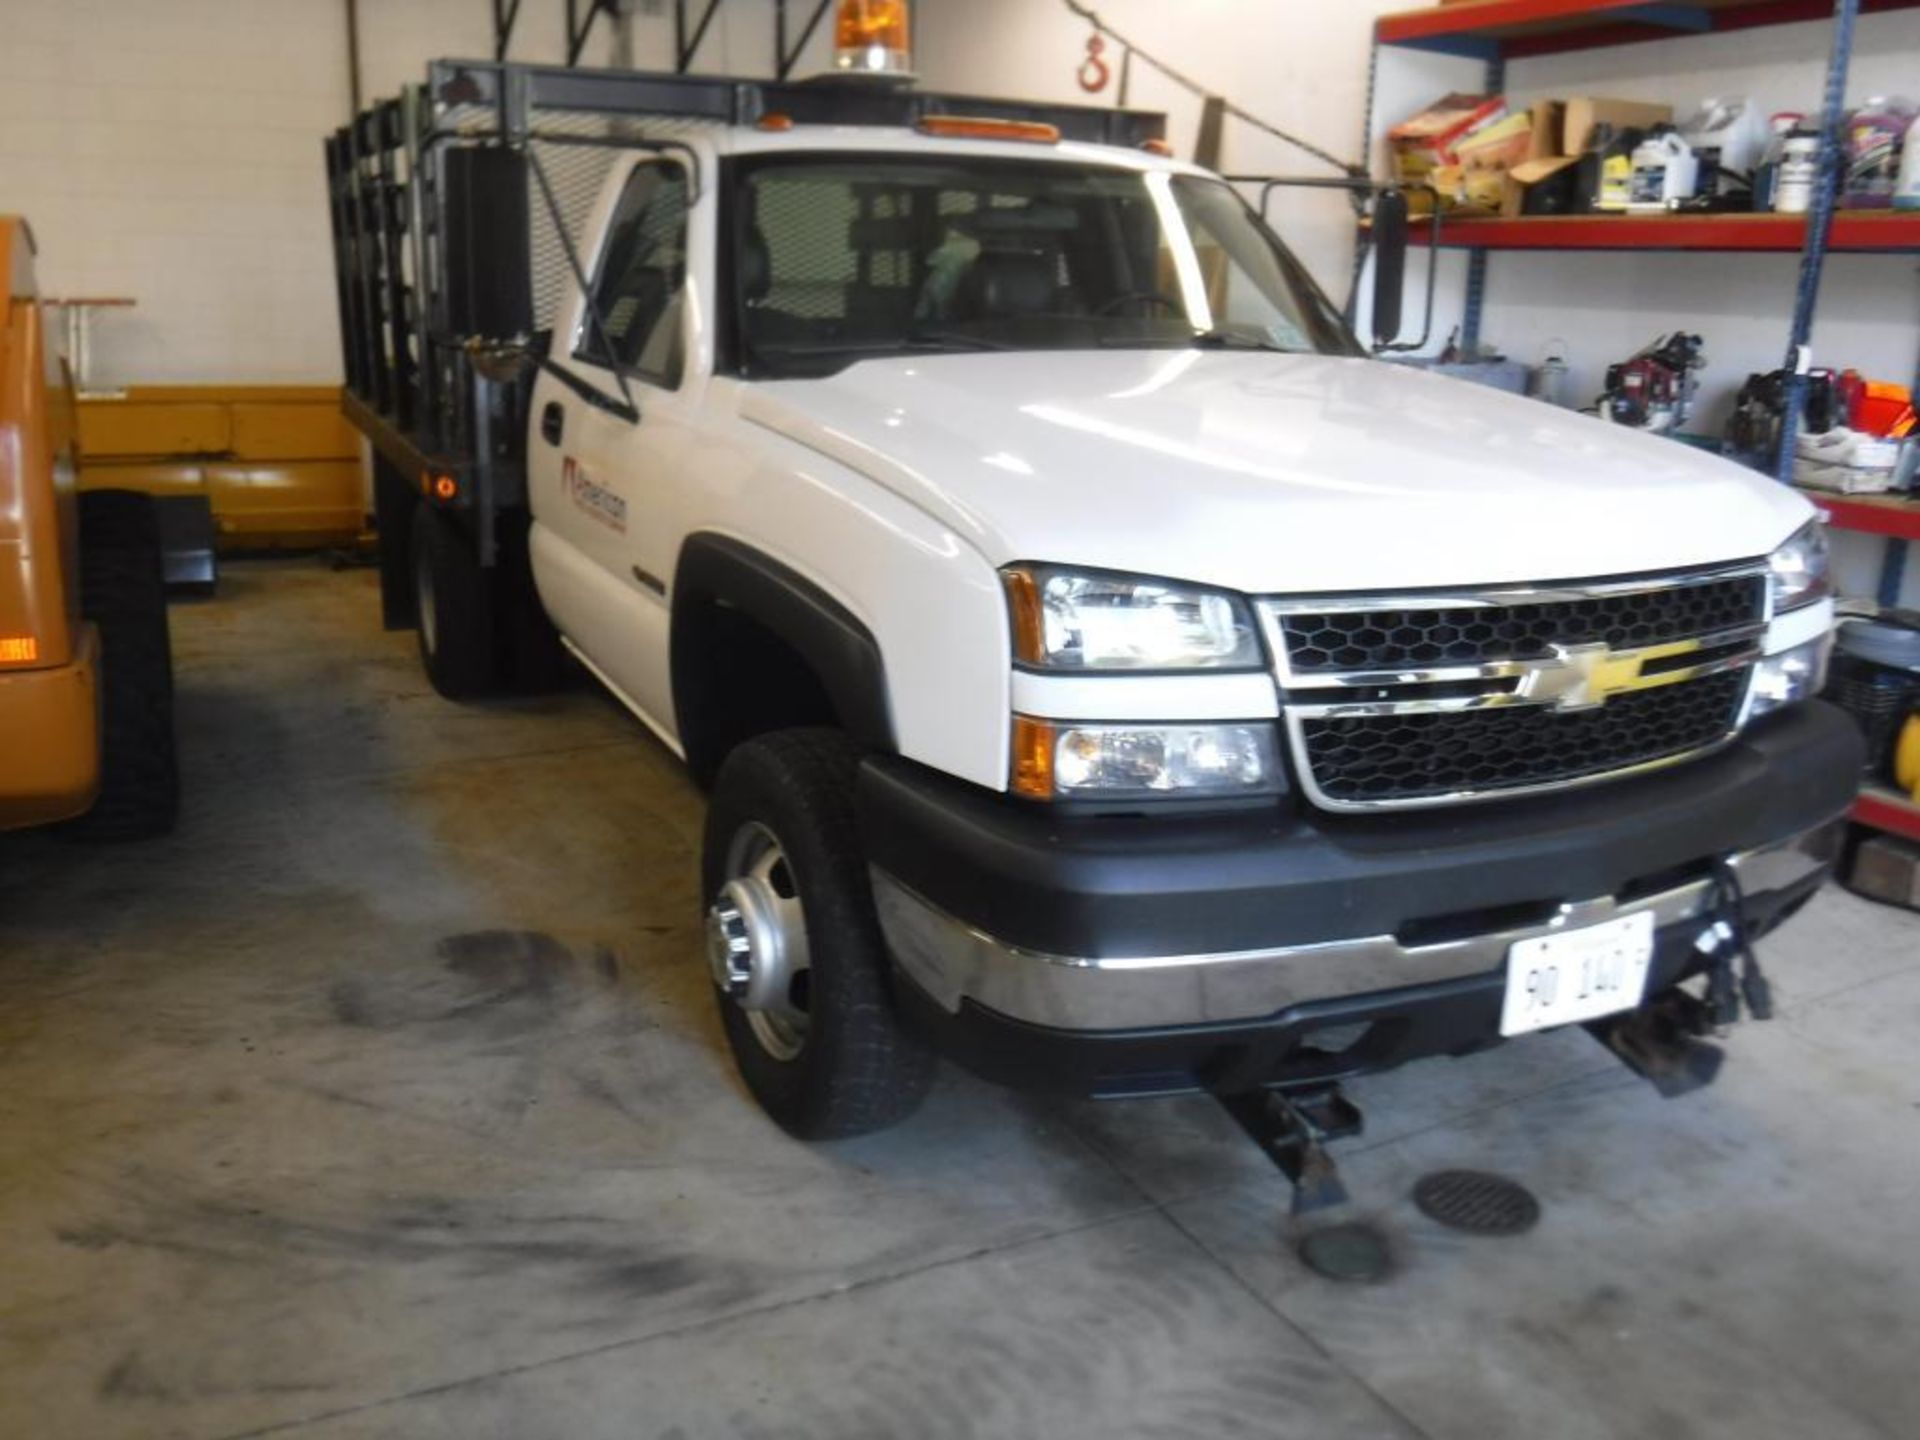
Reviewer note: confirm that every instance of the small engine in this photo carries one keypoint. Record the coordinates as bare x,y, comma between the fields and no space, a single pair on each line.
1655,388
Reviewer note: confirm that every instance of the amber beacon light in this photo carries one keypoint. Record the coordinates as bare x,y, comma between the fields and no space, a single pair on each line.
870,37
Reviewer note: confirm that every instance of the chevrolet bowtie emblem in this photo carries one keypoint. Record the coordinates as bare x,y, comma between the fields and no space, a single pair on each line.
1580,677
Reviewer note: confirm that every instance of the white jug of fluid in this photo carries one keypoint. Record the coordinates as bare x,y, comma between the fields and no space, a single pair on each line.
1665,171
1728,137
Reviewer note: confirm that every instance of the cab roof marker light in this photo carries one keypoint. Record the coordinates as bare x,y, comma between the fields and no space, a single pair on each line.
1157,147
870,37
775,121
971,127
981,127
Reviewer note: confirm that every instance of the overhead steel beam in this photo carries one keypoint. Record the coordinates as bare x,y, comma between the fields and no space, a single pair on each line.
579,26
786,58
505,13
685,47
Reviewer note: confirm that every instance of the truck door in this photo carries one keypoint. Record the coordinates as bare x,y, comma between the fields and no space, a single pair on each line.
602,483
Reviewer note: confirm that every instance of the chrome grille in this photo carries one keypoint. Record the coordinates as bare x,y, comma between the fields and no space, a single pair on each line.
1404,757
1436,699
1416,634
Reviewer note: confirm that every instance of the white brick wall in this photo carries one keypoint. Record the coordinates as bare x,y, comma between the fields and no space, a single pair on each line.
170,150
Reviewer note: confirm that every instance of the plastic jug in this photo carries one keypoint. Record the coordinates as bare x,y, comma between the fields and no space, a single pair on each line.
1665,169
1906,192
1872,152
1766,179
1729,137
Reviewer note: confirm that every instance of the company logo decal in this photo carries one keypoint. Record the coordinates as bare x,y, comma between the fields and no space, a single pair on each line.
595,499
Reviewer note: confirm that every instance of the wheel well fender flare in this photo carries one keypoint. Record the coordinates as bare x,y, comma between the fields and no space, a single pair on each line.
839,650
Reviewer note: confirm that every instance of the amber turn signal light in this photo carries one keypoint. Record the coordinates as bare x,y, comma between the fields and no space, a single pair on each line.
1032,771
18,649
1023,613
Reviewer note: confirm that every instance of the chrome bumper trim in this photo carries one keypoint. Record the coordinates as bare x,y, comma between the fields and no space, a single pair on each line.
953,961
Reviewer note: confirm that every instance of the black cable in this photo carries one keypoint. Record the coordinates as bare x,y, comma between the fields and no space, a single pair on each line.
1753,984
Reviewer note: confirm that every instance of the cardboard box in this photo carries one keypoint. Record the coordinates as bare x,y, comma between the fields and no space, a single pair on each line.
1421,145
1562,131
1583,113
1489,155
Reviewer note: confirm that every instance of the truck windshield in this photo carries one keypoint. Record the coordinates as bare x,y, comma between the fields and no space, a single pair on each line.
849,256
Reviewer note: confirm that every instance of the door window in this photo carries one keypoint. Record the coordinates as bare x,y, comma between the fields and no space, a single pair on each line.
640,289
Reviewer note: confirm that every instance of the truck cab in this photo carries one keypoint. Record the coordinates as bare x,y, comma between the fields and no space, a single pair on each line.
1103,670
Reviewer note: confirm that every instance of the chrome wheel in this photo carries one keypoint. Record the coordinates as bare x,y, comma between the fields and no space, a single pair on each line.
757,942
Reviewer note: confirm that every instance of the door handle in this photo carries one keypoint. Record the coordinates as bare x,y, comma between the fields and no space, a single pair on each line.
552,419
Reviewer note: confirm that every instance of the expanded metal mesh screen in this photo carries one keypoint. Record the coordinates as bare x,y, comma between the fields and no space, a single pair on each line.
576,150
804,224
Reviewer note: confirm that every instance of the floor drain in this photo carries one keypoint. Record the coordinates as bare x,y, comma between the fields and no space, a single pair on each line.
1354,1253
1476,1202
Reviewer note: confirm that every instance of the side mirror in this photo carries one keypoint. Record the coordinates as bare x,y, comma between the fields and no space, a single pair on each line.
1389,265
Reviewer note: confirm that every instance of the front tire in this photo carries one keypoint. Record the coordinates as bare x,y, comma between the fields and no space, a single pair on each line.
799,965
123,592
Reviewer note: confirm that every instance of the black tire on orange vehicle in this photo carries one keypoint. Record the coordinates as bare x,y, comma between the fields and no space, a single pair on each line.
123,593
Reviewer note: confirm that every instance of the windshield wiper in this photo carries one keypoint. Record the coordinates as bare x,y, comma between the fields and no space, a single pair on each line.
1222,339
890,344
940,339
1214,339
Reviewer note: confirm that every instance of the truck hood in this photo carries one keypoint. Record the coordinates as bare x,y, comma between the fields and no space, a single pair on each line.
1273,473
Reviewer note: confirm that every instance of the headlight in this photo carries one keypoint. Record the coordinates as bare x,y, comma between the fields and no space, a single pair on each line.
1798,569
1796,674
1075,620
1056,760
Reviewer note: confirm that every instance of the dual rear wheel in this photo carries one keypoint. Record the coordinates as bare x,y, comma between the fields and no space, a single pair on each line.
481,629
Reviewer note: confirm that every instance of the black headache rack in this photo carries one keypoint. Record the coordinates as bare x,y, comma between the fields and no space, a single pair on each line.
459,215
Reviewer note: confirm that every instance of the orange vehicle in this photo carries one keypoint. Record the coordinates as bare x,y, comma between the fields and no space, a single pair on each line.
86,671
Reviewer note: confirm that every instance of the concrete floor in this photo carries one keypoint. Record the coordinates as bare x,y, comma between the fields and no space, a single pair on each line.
387,1100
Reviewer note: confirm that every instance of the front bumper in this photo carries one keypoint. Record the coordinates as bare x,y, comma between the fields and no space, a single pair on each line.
1129,953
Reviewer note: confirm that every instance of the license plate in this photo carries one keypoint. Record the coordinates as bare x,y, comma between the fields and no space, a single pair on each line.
1577,974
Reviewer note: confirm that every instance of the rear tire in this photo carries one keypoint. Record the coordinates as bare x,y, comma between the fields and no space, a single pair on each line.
123,593
455,605
836,1061
532,659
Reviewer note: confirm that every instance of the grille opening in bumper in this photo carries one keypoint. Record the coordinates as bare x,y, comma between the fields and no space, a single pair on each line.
1482,920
